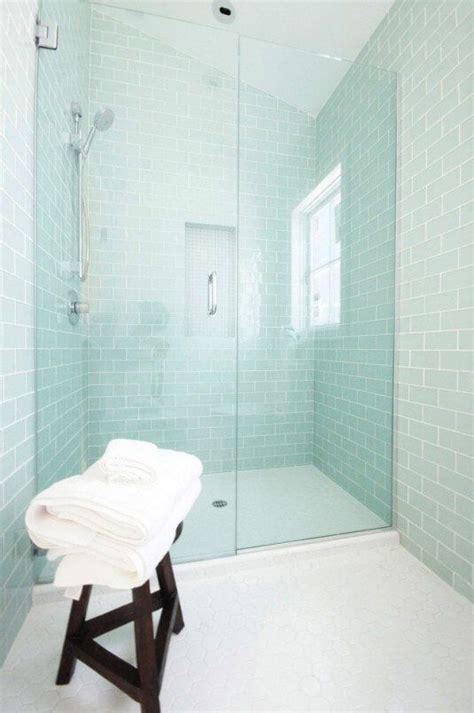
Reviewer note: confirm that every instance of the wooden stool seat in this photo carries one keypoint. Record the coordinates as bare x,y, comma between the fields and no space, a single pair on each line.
143,682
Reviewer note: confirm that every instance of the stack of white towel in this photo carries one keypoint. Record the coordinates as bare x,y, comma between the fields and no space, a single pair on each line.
115,522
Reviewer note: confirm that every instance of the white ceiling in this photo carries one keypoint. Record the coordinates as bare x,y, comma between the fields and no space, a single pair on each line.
339,28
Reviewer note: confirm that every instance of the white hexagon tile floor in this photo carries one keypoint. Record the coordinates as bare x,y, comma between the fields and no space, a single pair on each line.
351,629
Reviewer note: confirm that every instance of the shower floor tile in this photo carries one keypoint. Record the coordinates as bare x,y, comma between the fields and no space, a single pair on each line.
274,505
209,531
295,629
280,505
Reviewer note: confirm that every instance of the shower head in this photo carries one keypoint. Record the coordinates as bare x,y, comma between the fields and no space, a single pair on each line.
103,120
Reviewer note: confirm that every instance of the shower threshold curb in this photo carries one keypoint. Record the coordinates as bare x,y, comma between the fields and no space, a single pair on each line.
256,557
252,558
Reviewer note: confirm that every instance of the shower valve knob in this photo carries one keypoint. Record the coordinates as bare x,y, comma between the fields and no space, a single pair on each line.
75,307
79,308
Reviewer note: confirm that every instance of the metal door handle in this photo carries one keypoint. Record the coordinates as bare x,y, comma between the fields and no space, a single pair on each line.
212,293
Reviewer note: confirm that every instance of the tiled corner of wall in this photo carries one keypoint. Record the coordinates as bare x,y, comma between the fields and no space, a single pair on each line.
275,380
63,78
430,44
353,363
17,442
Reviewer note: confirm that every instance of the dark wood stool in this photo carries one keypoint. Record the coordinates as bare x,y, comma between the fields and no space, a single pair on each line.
143,682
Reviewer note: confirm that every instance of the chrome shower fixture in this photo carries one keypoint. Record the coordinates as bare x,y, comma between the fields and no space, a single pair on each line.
76,111
103,120
76,137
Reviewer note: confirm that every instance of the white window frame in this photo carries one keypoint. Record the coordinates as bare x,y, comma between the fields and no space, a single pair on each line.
300,250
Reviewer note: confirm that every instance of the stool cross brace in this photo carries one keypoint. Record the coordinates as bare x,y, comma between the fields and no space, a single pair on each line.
143,682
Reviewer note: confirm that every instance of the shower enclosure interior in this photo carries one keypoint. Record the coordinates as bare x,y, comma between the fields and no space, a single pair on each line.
240,229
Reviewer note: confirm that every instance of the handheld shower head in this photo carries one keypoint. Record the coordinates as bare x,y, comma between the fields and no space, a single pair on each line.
103,120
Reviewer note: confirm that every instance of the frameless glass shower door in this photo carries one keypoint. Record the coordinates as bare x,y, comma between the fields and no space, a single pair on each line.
163,196
154,357
317,140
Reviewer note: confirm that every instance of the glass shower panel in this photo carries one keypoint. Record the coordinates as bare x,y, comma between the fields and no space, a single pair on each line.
61,359
163,196
317,160
61,346
155,356
297,289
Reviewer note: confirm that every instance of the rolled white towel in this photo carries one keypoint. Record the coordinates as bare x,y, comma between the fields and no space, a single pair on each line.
73,510
129,461
117,565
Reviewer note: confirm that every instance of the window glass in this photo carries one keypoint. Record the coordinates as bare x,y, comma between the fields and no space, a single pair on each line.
325,260
316,255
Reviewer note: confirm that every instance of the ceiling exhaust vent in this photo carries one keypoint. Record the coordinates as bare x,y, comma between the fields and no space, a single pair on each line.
223,11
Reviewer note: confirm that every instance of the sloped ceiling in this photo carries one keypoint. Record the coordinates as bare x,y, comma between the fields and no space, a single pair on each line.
338,28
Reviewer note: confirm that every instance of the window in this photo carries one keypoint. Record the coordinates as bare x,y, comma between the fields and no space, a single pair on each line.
324,276
316,256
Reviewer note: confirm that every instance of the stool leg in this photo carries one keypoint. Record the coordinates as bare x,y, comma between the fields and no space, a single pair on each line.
77,617
145,650
168,586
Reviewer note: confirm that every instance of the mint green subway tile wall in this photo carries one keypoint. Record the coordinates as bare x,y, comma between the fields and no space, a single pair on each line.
430,45
169,161
353,360
276,369
17,443
63,78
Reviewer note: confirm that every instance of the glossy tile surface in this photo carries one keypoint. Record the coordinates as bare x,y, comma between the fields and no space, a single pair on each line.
430,45
17,468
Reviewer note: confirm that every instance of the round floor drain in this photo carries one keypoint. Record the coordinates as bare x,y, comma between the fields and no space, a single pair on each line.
219,503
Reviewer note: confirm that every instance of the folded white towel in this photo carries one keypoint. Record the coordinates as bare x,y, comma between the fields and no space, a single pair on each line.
116,565
132,461
74,510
